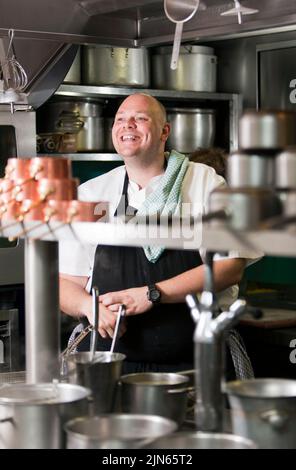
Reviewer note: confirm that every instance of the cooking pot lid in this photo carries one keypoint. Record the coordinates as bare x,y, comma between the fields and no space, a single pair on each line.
186,49
190,110
39,394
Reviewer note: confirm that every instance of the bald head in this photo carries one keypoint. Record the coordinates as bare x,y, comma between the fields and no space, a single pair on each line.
156,106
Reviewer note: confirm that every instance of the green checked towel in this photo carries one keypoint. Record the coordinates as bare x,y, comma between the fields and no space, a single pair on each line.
166,199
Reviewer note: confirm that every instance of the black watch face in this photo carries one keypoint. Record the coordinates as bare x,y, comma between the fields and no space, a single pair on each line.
154,295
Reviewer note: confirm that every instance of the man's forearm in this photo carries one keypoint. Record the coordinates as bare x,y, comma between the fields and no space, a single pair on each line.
226,273
74,300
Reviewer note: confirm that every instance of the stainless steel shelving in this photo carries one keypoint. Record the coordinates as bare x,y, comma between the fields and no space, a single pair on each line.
234,101
269,242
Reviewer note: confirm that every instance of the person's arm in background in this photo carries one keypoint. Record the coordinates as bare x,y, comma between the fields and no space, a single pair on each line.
227,272
77,302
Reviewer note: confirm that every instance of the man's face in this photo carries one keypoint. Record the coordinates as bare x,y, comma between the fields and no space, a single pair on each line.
139,128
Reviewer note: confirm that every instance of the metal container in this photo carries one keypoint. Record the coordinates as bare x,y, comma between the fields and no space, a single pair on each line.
116,431
246,208
163,394
105,65
32,416
108,143
83,118
99,375
285,164
250,171
267,130
264,410
197,69
201,440
191,128
74,74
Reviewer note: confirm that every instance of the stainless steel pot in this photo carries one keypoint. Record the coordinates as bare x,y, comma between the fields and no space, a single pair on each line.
201,440
116,431
264,410
250,171
191,128
74,74
104,65
100,375
197,69
247,208
84,118
285,164
267,130
32,415
163,394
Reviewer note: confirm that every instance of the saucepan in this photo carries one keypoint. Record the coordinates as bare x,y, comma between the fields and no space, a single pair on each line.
201,440
32,415
163,394
264,410
116,431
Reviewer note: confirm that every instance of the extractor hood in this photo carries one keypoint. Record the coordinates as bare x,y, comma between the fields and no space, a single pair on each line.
45,30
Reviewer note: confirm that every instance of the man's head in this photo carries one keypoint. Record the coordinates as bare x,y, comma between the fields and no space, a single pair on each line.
140,128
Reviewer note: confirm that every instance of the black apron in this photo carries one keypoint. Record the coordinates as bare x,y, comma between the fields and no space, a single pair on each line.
162,338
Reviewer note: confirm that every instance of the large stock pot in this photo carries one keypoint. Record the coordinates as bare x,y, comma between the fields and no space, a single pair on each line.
105,65
32,415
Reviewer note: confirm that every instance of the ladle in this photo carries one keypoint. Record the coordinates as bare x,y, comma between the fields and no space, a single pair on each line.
179,11
121,313
94,332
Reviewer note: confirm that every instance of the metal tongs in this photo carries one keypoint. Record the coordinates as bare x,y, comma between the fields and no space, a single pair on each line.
121,313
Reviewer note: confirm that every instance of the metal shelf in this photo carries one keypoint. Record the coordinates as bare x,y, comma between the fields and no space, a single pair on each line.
269,242
86,157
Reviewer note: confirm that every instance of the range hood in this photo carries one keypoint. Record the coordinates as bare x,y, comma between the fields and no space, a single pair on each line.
46,30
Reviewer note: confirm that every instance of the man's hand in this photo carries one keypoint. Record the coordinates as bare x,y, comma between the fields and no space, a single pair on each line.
134,299
107,320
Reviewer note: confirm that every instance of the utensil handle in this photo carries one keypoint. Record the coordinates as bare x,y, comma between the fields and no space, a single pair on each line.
121,313
95,310
176,46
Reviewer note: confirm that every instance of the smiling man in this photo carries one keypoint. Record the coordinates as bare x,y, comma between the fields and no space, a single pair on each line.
157,334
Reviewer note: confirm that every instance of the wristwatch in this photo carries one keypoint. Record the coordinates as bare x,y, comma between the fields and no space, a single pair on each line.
153,294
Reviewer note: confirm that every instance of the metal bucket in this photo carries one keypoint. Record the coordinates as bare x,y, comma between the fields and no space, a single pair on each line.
264,410
100,376
117,431
200,440
32,415
163,394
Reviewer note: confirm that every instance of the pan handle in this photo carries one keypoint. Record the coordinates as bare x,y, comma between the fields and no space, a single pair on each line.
173,391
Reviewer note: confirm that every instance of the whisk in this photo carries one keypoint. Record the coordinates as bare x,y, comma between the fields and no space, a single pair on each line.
13,74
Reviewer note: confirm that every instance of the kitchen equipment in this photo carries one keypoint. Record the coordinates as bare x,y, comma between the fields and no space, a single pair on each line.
264,410
197,69
267,130
32,415
116,431
201,440
53,188
74,74
81,117
94,332
121,312
179,13
50,167
239,10
191,128
163,394
104,65
246,208
108,143
250,171
99,373
285,169
17,168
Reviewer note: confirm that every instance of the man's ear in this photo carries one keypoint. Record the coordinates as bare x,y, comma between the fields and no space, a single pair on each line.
165,132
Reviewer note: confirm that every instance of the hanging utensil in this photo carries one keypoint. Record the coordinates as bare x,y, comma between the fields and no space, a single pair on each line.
179,11
239,10
94,332
121,313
